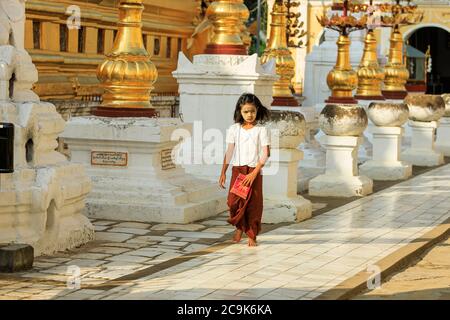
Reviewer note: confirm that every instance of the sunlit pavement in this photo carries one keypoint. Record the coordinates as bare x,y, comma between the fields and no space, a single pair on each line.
298,261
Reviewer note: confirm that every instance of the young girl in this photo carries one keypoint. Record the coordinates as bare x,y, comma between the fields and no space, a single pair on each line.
251,142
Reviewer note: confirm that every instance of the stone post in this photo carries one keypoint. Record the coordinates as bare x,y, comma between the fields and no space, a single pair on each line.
281,202
443,132
387,133
343,126
422,151
442,137
424,114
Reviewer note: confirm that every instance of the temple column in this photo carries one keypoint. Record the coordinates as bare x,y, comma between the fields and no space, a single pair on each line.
424,114
281,202
387,133
343,126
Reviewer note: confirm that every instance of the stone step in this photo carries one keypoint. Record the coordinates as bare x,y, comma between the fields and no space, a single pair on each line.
148,196
150,212
181,199
197,189
178,192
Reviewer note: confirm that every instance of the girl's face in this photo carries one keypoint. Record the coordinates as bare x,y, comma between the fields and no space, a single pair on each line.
248,112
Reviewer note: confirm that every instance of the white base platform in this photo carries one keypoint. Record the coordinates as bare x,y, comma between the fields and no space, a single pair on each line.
341,177
422,151
305,174
385,164
443,136
386,171
289,210
445,149
144,185
340,186
313,162
365,152
423,157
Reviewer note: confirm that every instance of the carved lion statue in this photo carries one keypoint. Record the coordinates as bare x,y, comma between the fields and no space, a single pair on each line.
12,34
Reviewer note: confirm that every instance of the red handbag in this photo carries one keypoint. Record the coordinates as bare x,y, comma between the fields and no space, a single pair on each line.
238,188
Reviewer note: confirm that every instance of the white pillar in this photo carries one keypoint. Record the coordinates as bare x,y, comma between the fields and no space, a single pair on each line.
385,164
313,162
443,136
341,177
281,202
283,184
365,151
422,151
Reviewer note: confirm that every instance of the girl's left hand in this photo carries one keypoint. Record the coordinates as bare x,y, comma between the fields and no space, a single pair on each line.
248,181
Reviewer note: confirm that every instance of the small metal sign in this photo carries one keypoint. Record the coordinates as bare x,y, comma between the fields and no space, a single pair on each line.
109,158
166,159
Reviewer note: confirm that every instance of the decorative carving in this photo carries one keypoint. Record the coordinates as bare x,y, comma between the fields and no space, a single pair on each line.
343,120
370,74
295,31
342,80
278,48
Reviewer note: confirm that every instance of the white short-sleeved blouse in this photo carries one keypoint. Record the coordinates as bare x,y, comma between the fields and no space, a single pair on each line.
248,144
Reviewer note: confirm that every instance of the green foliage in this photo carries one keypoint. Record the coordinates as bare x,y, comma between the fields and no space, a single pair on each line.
252,7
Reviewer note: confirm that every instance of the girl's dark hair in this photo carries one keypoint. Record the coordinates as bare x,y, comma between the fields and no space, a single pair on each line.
262,113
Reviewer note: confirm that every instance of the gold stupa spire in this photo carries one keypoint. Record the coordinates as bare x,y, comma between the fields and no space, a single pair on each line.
227,18
396,73
370,74
277,48
342,80
127,75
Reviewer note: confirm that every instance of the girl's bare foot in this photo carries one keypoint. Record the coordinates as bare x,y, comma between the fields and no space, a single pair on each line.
252,243
237,236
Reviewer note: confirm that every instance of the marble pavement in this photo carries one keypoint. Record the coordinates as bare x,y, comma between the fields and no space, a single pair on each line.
293,261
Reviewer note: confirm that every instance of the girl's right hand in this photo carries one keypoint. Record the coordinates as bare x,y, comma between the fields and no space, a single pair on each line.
222,180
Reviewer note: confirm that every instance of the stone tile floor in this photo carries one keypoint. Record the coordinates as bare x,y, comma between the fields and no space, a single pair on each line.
131,260
120,248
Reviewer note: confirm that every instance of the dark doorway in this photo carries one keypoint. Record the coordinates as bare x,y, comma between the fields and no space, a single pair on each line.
438,40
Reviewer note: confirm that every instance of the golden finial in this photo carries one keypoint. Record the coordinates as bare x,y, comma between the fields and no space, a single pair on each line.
227,17
127,75
277,48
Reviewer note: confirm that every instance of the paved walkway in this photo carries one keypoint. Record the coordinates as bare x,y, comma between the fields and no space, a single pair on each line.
429,279
299,261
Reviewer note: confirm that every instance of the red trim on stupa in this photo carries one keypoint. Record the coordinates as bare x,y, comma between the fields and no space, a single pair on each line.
416,87
358,97
226,49
396,95
125,112
341,100
285,101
